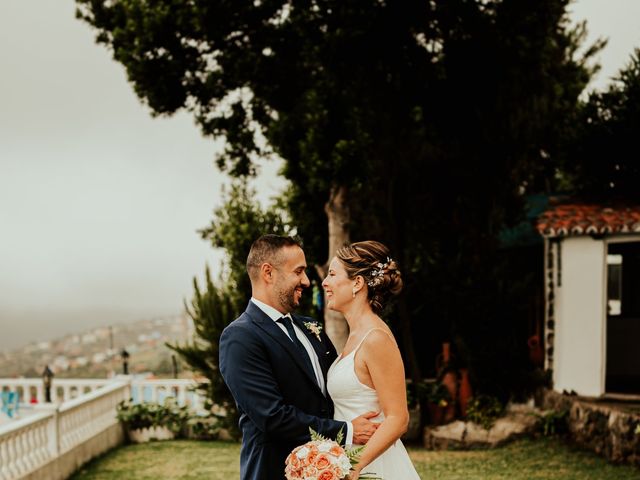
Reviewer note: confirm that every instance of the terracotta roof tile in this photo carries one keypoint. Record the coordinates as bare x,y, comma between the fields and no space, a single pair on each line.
573,219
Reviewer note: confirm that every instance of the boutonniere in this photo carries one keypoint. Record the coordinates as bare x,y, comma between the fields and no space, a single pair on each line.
314,328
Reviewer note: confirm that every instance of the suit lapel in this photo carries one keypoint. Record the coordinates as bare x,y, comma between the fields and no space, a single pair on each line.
266,324
322,350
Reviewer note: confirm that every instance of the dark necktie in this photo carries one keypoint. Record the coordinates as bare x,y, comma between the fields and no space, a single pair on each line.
286,321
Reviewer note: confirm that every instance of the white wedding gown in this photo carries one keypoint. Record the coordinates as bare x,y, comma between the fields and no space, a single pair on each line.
351,399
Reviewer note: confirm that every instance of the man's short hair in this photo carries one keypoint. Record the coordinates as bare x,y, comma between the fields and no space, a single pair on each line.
266,249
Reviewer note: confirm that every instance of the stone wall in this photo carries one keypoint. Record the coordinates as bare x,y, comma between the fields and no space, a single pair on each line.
518,421
607,430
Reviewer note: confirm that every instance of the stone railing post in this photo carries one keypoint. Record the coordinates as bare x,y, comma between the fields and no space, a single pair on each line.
53,429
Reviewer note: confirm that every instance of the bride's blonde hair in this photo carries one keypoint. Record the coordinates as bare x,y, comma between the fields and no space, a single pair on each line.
371,260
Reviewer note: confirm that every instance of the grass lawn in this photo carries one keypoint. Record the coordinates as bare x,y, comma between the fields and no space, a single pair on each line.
525,459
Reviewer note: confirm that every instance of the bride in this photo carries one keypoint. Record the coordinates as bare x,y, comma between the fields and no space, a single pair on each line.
369,374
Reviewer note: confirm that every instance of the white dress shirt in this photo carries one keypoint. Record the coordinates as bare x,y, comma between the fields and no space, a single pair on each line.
275,315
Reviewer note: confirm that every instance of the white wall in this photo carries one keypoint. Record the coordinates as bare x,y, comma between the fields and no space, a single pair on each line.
579,353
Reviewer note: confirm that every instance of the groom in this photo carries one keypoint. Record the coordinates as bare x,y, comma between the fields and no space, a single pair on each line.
276,365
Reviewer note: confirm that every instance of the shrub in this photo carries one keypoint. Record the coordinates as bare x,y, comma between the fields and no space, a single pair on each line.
204,427
484,410
145,415
553,422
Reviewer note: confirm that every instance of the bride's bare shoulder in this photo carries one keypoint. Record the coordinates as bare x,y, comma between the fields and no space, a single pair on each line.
380,338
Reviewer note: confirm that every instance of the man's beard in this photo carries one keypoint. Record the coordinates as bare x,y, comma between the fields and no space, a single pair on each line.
287,298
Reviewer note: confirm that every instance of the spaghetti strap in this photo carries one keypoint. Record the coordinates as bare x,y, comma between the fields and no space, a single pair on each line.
367,334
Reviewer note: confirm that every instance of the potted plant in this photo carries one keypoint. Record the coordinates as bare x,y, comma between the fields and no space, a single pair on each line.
152,421
437,398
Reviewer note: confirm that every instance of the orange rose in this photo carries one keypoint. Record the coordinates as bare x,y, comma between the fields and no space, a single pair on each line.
328,475
291,472
336,451
310,471
311,458
322,462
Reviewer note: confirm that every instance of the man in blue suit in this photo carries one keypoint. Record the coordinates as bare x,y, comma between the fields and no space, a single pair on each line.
275,363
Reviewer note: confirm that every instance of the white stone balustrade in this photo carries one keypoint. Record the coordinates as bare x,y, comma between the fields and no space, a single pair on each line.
156,390
24,445
65,389
39,439
62,390
84,417
52,440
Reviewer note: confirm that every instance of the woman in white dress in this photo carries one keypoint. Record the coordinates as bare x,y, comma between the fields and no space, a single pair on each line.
369,374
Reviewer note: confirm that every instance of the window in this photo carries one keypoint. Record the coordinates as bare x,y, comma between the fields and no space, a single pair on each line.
614,284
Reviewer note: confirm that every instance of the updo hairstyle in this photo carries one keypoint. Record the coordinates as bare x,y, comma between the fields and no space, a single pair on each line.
380,272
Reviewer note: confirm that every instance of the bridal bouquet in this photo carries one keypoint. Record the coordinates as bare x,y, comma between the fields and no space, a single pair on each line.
323,459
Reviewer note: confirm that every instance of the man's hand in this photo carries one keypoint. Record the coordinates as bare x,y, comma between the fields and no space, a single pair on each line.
363,428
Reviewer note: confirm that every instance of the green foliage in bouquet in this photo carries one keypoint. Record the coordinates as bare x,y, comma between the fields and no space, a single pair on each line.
352,453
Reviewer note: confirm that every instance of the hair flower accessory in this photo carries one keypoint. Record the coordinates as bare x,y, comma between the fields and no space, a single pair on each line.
314,328
377,274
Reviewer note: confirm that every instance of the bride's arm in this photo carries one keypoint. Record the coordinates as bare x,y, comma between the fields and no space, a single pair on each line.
384,364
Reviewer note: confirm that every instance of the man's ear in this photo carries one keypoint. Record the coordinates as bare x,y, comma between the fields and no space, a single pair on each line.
266,273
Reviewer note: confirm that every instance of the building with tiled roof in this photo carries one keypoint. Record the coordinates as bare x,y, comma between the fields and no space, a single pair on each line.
592,291
588,219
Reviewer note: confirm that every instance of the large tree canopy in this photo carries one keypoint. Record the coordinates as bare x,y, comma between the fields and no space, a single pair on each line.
605,164
329,86
419,123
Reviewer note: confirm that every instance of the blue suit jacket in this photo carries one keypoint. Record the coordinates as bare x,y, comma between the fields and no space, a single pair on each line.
277,395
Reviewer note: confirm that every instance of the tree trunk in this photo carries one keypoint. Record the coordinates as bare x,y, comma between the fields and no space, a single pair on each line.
337,210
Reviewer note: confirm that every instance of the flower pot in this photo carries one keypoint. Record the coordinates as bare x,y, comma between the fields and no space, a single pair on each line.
143,435
465,392
450,381
444,358
436,413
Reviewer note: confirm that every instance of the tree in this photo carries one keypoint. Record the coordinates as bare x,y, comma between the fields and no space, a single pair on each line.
238,222
416,123
604,164
318,80
510,89
235,226
211,311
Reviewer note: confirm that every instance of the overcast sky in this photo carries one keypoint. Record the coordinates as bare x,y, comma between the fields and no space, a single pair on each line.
99,202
